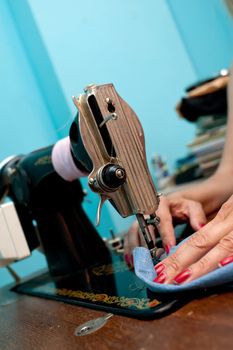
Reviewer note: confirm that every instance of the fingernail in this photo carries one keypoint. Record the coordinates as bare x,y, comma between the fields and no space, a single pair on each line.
183,276
157,265
160,279
167,248
159,268
226,261
201,225
127,259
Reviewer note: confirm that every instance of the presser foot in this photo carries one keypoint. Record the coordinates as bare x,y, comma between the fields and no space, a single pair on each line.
155,257
143,224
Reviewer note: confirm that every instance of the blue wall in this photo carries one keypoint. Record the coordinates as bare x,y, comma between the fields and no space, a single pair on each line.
150,50
22,106
25,122
206,29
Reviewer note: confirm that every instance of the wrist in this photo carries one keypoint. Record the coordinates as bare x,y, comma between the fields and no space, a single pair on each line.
212,192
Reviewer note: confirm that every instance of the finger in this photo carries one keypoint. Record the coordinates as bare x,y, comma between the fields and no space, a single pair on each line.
126,249
194,249
197,217
165,226
209,262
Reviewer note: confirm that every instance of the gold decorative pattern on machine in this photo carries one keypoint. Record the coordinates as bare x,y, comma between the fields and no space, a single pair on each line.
109,269
43,161
134,303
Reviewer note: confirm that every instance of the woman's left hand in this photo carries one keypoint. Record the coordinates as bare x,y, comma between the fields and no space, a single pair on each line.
207,249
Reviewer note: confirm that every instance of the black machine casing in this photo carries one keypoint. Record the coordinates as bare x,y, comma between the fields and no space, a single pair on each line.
51,214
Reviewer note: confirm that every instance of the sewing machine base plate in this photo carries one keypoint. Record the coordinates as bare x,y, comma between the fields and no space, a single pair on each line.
111,287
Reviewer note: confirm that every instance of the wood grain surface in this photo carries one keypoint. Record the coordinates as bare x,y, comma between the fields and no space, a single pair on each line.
33,323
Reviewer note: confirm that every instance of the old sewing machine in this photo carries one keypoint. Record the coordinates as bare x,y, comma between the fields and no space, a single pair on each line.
106,142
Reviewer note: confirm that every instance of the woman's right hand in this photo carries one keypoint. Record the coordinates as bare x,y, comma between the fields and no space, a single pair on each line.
173,209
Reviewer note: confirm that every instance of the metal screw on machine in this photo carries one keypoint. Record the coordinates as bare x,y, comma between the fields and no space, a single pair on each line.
92,325
112,116
91,181
120,173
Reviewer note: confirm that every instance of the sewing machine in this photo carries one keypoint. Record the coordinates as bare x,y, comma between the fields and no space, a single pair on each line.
106,143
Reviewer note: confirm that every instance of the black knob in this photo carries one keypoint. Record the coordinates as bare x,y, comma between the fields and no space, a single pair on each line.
113,176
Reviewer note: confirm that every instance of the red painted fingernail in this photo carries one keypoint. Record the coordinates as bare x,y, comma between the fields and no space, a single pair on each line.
181,277
201,225
159,268
160,279
226,261
127,259
167,248
157,265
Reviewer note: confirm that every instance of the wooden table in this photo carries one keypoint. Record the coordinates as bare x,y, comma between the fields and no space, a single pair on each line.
32,323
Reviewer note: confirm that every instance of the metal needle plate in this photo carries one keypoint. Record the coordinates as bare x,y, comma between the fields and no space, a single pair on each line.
92,325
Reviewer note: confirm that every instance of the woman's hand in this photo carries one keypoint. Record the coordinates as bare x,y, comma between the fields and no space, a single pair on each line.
207,249
173,209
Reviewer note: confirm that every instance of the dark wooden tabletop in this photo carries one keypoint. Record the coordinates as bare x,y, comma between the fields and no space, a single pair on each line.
32,323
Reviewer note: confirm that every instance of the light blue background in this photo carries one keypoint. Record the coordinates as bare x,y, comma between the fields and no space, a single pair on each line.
150,50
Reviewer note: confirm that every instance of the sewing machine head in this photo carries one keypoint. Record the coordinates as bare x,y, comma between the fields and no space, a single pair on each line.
113,138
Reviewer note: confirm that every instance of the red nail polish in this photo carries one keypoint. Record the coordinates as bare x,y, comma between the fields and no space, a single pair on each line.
226,261
183,276
201,225
158,265
167,248
160,279
159,268
127,259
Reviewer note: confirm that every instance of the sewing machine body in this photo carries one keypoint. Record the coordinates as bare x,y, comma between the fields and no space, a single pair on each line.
114,140
113,135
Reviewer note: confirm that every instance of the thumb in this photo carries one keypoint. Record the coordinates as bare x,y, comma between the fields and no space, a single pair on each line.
197,217
165,227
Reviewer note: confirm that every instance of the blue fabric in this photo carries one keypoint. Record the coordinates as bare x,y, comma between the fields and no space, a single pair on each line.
144,269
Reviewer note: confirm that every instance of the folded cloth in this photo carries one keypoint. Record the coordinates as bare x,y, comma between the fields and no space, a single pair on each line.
144,269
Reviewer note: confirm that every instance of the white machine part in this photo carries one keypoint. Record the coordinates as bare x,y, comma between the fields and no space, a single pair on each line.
13,244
